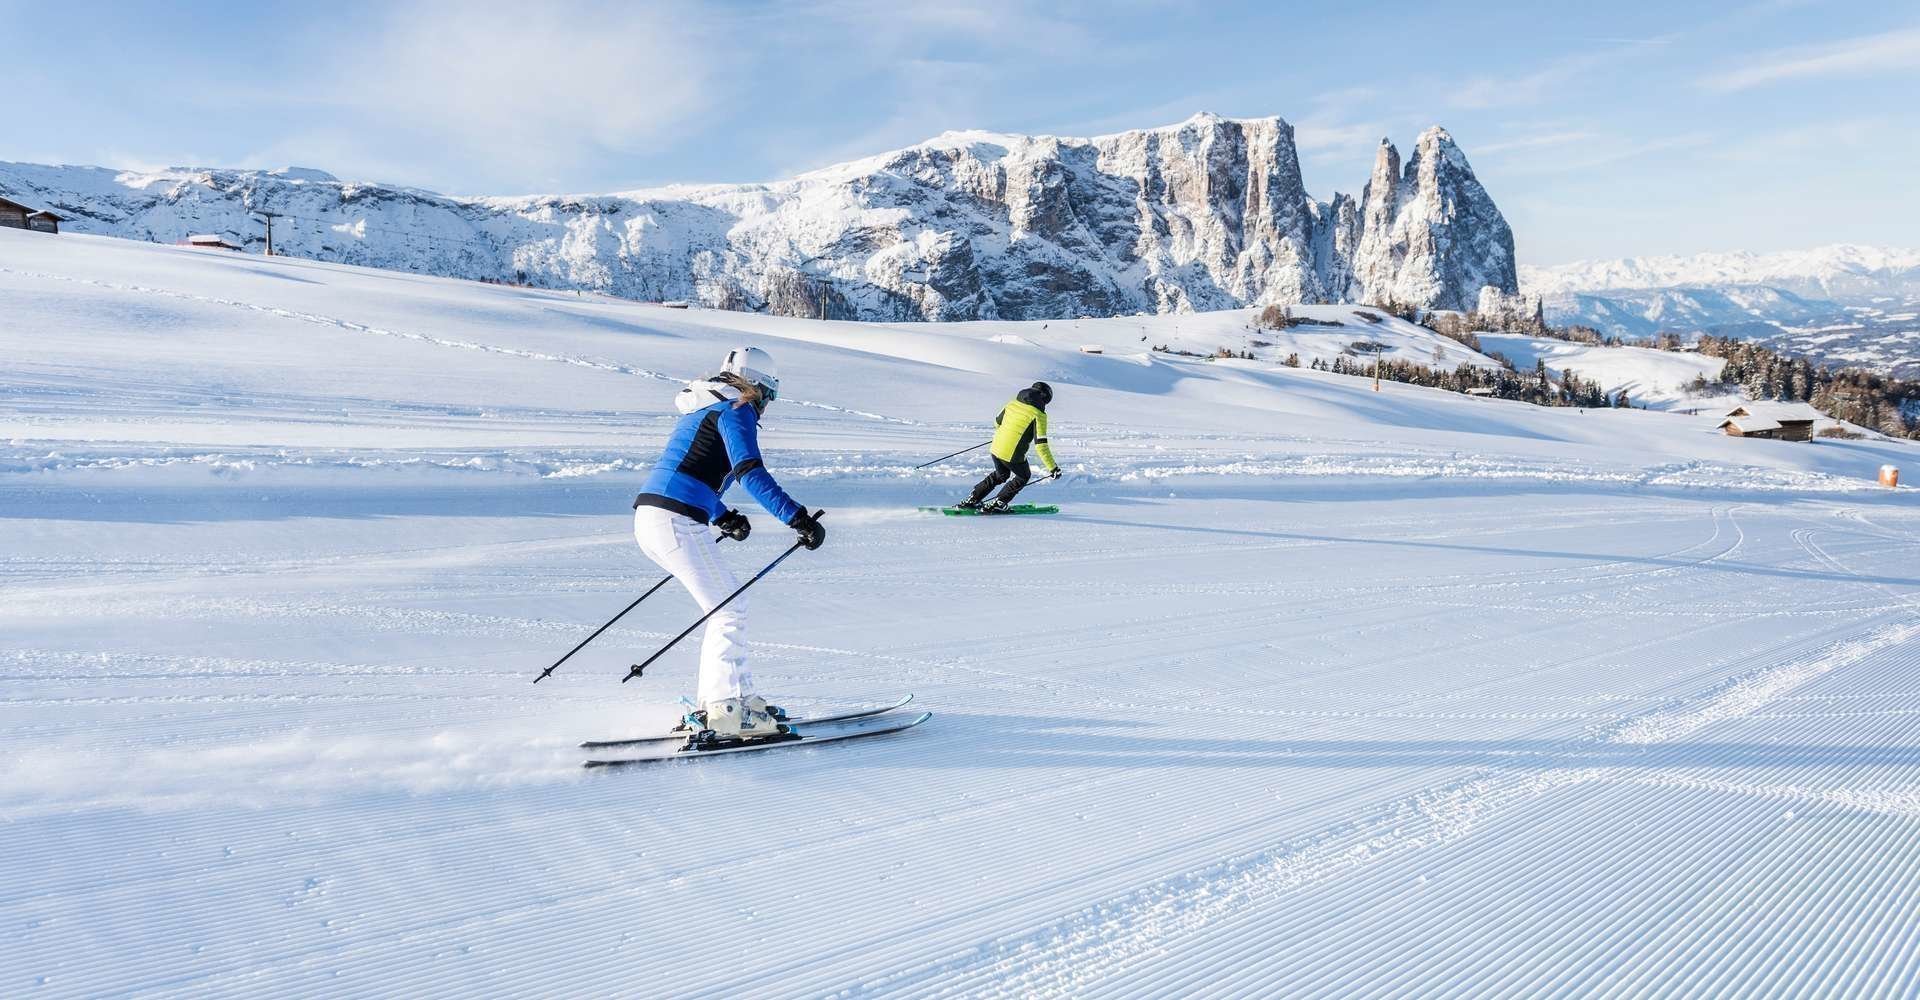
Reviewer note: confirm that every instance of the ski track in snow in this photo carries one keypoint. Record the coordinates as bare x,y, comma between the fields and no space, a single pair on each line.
1319,692
1099,943
24,456
1101,948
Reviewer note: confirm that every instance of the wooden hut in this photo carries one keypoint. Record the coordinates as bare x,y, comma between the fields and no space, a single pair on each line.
207,241
14,215
1775,421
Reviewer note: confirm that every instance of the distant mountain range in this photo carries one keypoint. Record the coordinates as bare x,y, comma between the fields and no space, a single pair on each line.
1204,215
1841,272
1840,304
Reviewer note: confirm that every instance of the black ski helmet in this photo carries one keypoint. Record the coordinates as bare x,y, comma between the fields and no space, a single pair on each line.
1044,391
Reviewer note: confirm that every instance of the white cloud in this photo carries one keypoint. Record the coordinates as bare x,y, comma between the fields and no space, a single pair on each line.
532,87
1344,96
1821,138
1490,92
1619,40
1600,151
1893,50
1532,88
1318,135
343,152
875,30
929,66
1560,138
1338,155
933,96
145,162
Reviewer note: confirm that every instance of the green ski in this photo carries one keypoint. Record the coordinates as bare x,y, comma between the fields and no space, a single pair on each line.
1019,508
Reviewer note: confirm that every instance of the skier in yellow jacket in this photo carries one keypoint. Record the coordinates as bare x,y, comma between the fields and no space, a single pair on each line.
1021,423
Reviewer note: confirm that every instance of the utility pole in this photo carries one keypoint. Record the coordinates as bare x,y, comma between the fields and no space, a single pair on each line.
269,217
1377,349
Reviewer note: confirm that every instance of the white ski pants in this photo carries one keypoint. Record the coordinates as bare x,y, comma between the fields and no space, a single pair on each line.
687,549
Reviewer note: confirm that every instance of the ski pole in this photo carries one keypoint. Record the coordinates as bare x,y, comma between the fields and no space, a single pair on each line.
795,547
596,632
943,458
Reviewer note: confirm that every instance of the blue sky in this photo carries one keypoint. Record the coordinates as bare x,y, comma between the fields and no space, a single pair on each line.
1602,129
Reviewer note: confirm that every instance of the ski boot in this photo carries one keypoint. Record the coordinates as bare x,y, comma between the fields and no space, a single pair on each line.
967,504
694,720
759,704
732,720
994,507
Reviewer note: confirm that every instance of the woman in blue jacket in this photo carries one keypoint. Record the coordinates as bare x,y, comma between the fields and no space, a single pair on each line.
716,444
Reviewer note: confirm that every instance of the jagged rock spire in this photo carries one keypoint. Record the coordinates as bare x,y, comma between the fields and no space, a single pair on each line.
1430,236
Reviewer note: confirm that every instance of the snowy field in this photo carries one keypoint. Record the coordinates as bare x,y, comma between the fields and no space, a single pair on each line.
1310,690
1654,379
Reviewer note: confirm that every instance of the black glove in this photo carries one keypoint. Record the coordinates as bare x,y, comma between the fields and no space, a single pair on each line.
812,532
734,525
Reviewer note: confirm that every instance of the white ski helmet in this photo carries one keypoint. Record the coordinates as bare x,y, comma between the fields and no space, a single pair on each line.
755,367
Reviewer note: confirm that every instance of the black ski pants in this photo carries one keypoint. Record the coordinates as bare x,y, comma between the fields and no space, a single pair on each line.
1015,474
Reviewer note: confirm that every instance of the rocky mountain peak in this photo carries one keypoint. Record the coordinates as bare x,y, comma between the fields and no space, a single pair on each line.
1209,213
1386,164
1430,234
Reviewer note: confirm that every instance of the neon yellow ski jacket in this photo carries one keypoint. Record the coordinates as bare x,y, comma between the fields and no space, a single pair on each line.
1021,424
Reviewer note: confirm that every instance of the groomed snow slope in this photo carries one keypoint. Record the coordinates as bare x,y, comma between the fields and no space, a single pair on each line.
1310,690
1328,331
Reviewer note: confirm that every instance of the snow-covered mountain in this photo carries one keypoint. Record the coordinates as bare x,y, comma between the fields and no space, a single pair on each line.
1843,305
1642,312
1208,214
1841,272
1429,235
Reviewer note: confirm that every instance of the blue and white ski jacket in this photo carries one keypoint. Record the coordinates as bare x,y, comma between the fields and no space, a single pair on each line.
711,449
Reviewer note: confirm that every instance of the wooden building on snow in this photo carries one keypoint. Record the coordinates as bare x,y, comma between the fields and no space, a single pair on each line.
14,215
1776,421
207,241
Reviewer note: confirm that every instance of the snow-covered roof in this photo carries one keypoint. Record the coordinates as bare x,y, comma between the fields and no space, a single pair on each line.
29,209
1750,425
1780,413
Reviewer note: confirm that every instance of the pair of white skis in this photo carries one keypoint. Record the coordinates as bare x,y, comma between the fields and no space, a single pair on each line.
801,731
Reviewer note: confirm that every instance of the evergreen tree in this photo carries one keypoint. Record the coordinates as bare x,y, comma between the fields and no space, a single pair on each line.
1800,383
